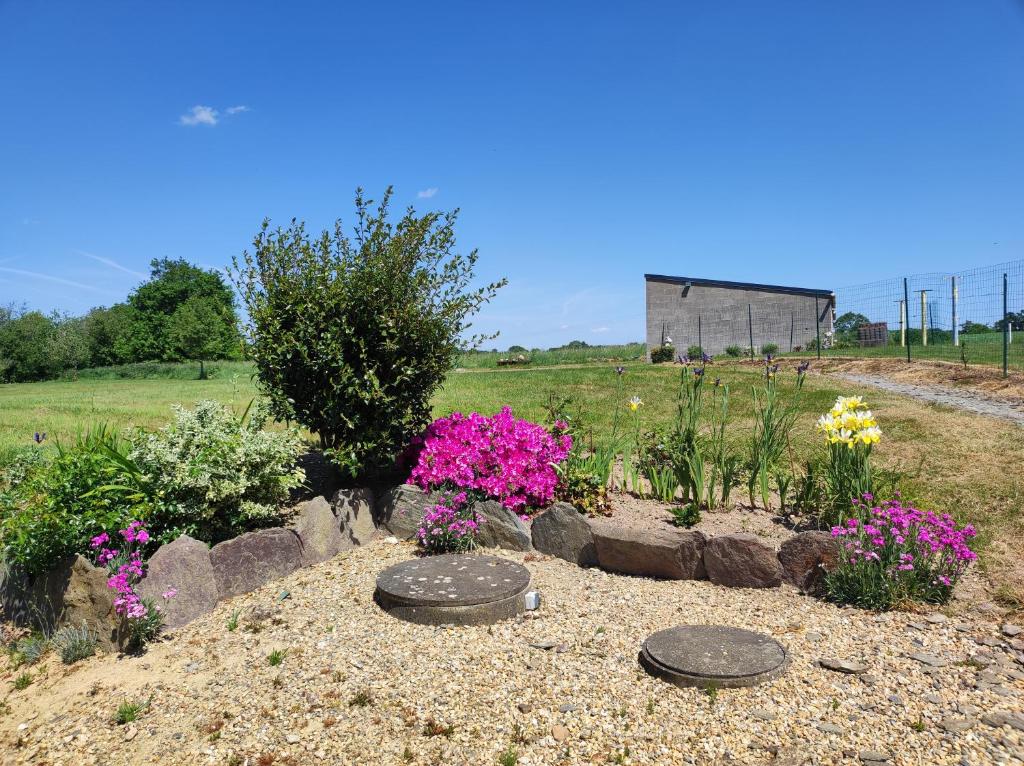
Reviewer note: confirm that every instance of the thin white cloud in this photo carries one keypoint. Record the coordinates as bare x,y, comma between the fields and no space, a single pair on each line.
51,278
563,327
114,264
237,109
200,115
427,193
599,329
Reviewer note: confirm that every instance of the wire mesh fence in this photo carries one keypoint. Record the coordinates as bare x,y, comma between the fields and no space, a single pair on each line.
971,317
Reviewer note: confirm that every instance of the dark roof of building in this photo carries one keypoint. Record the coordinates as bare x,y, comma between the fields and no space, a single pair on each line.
738,285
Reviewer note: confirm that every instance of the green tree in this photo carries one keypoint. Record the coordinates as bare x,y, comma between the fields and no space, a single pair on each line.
850,321
25,346
174,282
974,328
352,336
198,330
112,334
68,344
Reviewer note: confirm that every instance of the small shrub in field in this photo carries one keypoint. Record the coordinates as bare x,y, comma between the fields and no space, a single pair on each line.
695,353
510,757
770,349
898,554
216,474
29,650
276,657
23,681
661,354
471,457
351,337
74,644
733,351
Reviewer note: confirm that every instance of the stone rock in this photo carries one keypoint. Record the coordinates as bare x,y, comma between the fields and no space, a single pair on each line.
928,659
73,593
999,718
559,732
873,756
500,527
400,510
1011,630
318,531
673,554
843,666
742,561
805,559
185,566
354,509
957,725
563,531
248,561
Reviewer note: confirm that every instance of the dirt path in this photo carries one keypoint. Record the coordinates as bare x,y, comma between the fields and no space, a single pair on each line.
960,398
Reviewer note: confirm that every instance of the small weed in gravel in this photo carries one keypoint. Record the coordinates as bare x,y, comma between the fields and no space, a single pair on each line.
362,698
509,758
434,729
129,711
276,657
233,620
408,755
74,644
918,725
23,681
711,691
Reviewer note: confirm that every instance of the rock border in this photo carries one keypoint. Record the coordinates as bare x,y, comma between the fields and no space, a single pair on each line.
321,529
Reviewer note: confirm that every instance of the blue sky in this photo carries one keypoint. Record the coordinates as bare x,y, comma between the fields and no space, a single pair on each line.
807,143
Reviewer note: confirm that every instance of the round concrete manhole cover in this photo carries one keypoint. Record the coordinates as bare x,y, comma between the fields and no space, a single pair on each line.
713,655
459,589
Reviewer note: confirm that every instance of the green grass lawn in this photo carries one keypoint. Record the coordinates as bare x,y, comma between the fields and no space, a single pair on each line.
953,461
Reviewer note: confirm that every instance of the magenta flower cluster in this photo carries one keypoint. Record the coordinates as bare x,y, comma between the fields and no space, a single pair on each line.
450,525
501,457
908,552
467,458
126,569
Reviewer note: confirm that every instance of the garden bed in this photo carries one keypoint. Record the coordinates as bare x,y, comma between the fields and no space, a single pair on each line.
357,686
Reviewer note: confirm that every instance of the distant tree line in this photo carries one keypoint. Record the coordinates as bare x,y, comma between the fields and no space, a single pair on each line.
182,313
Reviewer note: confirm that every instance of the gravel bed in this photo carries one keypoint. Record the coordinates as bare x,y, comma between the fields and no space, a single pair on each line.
561,685
963,399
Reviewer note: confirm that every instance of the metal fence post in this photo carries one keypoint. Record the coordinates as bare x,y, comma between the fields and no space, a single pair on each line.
792,324
956,330
817,324
700,338
906,304
1006,325
750,329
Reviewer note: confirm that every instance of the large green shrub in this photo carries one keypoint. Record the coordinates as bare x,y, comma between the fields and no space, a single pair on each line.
351,336
213,474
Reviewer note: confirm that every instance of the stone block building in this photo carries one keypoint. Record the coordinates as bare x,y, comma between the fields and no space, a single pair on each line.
715,314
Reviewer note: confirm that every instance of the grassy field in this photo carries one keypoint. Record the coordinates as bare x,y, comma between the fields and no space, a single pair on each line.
953,461
629,352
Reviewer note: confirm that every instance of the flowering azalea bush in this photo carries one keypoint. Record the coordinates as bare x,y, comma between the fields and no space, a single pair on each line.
142,618
472,457
897,553
850,431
